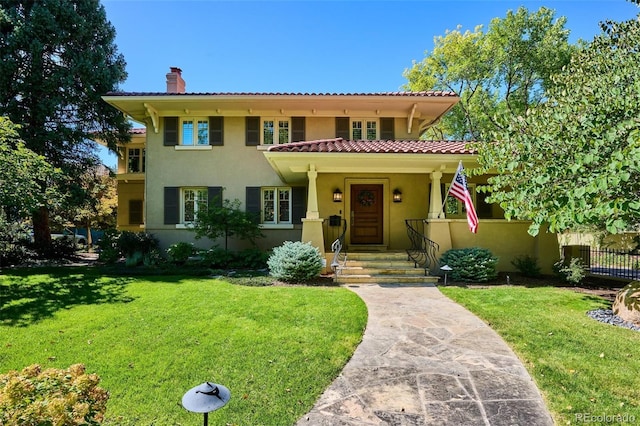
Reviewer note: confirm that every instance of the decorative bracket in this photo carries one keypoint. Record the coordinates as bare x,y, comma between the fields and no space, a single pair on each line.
410,118
153,113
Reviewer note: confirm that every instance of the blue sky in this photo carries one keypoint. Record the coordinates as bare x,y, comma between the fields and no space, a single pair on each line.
330,46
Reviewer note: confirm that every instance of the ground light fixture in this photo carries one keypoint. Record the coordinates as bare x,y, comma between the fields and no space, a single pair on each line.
446,268
205,398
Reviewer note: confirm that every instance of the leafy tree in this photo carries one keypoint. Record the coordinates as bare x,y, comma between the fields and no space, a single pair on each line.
227,220
21,173
575,159
96,200
504,71
57,57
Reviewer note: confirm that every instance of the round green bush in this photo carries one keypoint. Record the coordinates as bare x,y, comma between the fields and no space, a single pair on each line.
295,262
470,264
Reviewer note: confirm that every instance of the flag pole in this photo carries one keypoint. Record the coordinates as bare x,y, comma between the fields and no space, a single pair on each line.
445,197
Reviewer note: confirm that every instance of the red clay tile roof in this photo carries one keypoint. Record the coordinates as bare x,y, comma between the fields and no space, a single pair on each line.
340,145
429,93
138,131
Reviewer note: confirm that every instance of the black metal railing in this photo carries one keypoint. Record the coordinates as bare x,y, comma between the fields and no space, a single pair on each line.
423,251
614,263
339,255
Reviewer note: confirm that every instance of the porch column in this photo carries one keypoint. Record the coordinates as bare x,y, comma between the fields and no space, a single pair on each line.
312,223
435,201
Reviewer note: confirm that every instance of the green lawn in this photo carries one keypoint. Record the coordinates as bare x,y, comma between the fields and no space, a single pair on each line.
151,339
581,366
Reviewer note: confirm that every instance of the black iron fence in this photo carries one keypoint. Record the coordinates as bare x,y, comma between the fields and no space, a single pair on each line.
613,263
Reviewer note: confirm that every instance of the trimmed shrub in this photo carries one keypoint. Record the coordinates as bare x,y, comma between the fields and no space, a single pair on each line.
136,247
251,258
470,264
51,397
527,265
295,262
218,258
179,253
14,242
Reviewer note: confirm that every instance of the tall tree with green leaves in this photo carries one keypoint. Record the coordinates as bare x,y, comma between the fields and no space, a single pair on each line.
503,71
57,57
574,160
21,173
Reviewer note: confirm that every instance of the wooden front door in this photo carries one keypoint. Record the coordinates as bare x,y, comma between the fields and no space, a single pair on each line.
366,214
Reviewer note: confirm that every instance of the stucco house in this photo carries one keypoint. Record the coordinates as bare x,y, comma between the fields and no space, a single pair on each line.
311,165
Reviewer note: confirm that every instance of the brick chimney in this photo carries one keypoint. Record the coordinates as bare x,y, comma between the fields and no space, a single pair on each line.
175,83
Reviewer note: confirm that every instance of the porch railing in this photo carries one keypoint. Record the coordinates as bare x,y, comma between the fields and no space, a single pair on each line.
423,251
339,256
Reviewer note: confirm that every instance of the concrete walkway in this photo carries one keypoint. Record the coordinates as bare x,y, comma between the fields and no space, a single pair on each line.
425,360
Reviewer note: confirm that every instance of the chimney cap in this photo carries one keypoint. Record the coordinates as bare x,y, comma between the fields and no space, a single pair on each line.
176,69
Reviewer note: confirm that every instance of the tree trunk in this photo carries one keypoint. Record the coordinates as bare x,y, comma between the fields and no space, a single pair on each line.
89,239
41,230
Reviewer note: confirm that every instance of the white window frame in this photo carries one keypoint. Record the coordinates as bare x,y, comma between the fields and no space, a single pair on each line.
277,191
197,202
460,211
141,159
276,129
194,142
364,127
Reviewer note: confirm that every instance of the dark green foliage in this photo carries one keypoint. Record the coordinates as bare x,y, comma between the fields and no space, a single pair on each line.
227,221
470,264
527,265
295,262
180,252
57,59
136,247
14,243
218,258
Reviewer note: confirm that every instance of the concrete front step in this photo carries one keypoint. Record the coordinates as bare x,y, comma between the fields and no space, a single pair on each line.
381,268
385,279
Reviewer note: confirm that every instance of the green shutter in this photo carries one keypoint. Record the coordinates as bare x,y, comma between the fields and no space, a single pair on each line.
299,204
252,127
170,131
298,129
216,131
387,132
135,212
252,202
215,196
342,128
171,205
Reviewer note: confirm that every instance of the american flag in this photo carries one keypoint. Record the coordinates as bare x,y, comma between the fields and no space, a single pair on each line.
459,190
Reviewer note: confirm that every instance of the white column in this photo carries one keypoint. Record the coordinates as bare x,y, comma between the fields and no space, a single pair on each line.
312,196
435,202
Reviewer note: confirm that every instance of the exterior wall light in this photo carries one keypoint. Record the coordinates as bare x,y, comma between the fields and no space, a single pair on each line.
397,196
337,196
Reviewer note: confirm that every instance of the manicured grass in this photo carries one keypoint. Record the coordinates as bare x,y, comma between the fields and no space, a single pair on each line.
580,365
151,339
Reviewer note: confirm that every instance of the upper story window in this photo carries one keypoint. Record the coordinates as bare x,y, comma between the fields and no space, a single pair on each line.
135,160
194,131
364,129
276,205
276,131
194,200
